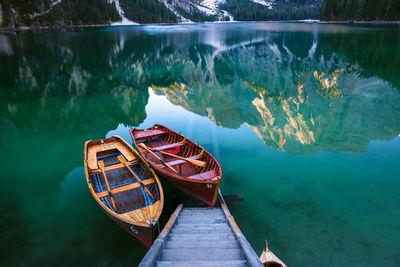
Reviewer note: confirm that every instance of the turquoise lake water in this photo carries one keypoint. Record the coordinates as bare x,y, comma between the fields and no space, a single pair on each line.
304,119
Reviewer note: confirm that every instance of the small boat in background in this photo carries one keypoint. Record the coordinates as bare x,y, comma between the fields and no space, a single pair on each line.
269,259
180,161
124,186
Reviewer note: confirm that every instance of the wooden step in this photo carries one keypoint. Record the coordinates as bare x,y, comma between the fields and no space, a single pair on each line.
196,220
201,254
188,243
210,214
201,218
201,237
201,231
206,211
202,226
227,263
200,209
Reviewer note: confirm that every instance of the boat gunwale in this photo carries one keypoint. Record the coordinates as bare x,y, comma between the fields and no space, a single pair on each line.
107,209
175,176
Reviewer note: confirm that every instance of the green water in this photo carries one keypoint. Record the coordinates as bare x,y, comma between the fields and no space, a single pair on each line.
304,119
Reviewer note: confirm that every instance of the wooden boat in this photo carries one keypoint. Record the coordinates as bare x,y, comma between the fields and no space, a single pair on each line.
269,259
161,146
124,186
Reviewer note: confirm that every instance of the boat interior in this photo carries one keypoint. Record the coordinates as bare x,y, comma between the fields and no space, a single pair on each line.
162,139
129,197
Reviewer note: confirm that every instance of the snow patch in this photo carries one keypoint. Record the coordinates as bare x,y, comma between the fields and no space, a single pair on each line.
181,18
229,15
213,4
206,10
267,3
121,13
206,7
211,8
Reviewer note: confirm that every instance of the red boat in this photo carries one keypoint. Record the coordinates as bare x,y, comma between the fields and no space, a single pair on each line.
180,161
124,186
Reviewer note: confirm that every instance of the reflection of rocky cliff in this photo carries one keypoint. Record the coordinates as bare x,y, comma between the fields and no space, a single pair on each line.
299,105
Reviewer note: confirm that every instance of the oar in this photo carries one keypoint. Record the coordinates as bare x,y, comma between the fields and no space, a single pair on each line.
151,152
123,161
101,165
193,161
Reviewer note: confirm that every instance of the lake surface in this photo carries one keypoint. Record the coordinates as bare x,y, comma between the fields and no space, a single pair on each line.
304,119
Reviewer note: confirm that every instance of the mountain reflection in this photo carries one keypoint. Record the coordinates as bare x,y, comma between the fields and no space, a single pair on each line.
296,104
297,93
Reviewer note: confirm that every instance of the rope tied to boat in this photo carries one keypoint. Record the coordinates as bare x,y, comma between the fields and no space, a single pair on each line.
157,223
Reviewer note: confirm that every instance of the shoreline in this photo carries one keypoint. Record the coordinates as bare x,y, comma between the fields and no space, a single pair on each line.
374,22
114,24
39,28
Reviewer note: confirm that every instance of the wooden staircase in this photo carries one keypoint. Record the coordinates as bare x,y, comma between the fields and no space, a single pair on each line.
197,236
201,237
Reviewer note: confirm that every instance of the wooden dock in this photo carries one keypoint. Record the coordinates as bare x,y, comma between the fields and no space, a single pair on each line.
198,236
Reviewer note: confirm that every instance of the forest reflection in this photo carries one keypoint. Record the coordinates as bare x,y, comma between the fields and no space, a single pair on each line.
288,83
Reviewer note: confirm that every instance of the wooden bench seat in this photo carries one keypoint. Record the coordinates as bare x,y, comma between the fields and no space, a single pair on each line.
93,150
204,175
179,161
168,146
149,134
115,166
124,188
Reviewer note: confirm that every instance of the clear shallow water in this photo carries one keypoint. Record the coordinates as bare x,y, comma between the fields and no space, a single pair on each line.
304,119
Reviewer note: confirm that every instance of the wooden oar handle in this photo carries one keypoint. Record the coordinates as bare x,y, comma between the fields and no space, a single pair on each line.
155,155
166,164
193,161
139,181
112,202
169,154
108,188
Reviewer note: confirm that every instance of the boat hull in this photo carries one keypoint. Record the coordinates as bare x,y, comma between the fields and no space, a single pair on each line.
146,235
205,190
